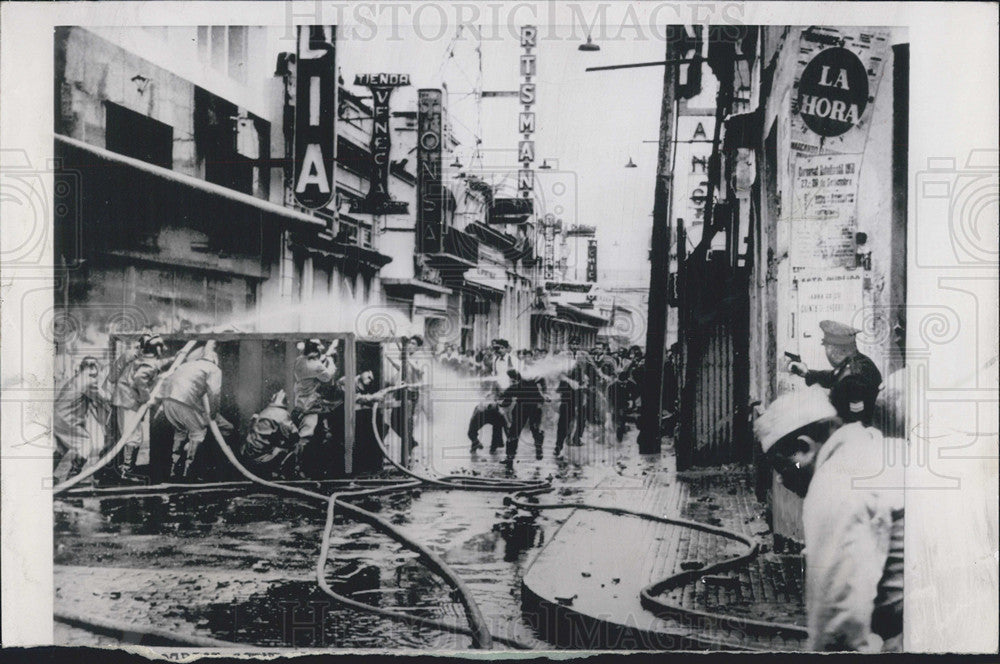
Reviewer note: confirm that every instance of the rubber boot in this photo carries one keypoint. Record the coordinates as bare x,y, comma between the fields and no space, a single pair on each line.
127,469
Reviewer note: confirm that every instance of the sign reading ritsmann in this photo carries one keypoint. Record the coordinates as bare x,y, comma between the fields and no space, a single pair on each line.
430,196
315,115
526,120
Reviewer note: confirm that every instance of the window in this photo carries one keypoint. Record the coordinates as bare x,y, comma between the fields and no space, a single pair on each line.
218,47
238,53
353,157
138,136
352,231
229,144
225,49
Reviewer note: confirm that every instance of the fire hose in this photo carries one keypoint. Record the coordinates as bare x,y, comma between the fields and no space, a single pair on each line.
650,594
126,435
478,631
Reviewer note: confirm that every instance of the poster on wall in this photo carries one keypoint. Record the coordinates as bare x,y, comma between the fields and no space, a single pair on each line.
837,79
835,296
824,216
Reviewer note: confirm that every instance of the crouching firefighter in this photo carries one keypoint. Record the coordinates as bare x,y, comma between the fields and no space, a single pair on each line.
269,448
488,411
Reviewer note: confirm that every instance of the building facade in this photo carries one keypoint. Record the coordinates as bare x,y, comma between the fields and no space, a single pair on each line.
179,142
805,220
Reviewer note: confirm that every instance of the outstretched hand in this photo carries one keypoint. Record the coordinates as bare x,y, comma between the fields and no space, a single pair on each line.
798,368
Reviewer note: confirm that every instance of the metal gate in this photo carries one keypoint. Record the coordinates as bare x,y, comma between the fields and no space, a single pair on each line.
713,424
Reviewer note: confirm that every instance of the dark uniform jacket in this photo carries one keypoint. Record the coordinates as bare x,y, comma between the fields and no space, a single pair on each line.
525,390
857,365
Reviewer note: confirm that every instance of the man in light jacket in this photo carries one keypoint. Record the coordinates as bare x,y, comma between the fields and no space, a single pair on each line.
184,406
851,479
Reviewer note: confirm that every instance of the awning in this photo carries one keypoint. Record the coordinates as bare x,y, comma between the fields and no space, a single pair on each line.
556,321
572,313
492,236
481,290
447,262
460,252
510,210
349,255
289,215
409,287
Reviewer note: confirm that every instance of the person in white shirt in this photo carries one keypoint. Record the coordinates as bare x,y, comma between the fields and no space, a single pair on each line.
853,528
503,362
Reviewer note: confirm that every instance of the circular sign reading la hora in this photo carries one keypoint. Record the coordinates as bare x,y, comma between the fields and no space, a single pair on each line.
833,92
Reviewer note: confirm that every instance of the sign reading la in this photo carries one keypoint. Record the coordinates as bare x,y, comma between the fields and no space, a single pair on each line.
833,92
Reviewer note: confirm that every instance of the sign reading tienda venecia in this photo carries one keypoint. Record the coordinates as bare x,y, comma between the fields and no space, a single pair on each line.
833,92
378,201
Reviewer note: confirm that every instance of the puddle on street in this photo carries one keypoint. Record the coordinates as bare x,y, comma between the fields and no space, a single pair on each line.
267,545
486,543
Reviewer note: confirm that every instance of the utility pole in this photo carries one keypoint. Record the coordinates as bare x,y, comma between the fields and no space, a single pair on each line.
656,327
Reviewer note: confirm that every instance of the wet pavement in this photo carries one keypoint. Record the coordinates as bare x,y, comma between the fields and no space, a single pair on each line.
240,566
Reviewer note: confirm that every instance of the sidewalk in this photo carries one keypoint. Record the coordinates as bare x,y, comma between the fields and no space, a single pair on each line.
583,588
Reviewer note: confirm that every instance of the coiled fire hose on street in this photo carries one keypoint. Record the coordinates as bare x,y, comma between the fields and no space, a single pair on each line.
650,594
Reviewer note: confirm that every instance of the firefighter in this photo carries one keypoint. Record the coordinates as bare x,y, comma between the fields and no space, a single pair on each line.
636,368
618,399
314,372
600,371
416,397
853,533
488,411
184,407
368,456
571,390
270,446
131,380
841,348
78,405
525,397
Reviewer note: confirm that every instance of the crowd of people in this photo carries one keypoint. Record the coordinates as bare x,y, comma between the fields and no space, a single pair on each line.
295,433
818,439
588,387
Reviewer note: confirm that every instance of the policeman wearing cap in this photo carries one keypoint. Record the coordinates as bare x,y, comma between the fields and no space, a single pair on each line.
842,352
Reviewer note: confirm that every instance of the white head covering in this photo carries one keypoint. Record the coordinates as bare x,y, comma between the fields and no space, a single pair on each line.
791,412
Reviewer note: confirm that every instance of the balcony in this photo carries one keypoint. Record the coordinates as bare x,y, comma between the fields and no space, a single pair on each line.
459,252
